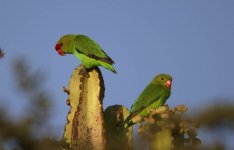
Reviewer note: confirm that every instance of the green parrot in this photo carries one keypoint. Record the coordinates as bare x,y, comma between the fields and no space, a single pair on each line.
85,49
153,96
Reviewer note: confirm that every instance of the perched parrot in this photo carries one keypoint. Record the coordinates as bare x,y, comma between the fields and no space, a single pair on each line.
85,49
154,95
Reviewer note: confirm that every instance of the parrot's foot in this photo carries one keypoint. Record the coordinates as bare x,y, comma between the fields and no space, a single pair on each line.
84,72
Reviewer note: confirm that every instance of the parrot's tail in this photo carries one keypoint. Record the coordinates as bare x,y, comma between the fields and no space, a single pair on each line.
129,124
108,66
128,121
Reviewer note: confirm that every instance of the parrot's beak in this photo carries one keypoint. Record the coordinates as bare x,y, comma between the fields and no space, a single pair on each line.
58,49
60,52
168,84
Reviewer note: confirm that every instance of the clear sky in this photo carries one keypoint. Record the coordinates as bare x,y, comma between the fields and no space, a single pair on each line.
191,40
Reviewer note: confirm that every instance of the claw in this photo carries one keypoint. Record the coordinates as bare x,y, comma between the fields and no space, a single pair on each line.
84,72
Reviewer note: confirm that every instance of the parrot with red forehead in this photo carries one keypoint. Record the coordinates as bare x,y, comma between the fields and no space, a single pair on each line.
153,96
85,49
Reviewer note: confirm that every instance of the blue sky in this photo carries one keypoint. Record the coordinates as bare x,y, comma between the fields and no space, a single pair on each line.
191,40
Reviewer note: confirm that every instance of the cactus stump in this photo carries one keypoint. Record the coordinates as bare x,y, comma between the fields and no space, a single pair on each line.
85,129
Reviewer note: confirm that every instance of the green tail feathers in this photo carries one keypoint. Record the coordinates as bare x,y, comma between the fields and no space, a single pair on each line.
129,124
108,66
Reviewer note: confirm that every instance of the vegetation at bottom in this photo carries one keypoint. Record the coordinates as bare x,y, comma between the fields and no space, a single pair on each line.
164,128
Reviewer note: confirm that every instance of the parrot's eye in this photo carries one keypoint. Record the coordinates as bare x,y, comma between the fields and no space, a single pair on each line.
162,79
61,44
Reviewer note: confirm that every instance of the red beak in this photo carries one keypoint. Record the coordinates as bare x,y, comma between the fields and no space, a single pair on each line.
58,49
168,84
60,52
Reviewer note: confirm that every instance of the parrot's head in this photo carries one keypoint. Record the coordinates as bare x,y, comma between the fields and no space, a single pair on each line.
163,79
65,45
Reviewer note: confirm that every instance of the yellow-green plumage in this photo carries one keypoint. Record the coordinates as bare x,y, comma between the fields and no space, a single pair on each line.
86,50
153,96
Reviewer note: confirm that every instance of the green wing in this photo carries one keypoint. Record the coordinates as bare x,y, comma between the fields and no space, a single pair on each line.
150,94
85,45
